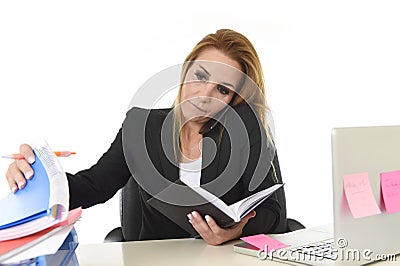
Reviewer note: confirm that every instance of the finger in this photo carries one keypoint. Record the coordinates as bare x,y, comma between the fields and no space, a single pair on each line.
25,168
245,219
199,224
27,152
212,224
249,216
15,178
194,224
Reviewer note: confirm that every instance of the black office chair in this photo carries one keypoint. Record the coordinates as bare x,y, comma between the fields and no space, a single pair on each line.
293,225
131,219
130,215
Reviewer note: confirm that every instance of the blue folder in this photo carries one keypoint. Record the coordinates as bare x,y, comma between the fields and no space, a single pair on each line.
30,203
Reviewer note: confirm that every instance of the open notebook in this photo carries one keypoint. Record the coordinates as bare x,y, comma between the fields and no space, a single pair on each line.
177,200
42,203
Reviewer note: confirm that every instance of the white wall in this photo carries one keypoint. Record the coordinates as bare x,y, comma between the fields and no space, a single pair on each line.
69,69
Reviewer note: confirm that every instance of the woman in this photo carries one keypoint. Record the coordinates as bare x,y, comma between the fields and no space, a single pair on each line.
215,136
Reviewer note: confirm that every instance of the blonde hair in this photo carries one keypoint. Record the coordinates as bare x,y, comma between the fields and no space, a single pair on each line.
239,48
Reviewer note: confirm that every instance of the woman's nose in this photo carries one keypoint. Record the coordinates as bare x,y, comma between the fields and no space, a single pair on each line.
208,90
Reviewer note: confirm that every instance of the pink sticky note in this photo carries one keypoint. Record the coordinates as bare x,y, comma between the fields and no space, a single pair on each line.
264,242
390,186
359,195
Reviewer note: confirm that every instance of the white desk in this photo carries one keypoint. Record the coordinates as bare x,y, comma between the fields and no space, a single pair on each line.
164,252
169,252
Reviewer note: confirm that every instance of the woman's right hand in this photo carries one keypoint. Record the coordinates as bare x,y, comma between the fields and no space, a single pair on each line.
21,169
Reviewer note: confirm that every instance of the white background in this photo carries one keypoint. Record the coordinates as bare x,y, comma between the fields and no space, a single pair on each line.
69,69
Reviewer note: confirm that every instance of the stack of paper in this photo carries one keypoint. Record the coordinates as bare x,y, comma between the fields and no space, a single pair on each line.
11,248
40,209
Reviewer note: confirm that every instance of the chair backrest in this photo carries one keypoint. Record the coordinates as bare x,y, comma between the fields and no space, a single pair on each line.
293,225
130,211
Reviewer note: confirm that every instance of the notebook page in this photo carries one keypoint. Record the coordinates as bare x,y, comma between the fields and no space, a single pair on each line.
217,202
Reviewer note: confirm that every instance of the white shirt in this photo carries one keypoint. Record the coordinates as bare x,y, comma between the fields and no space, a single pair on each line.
190,173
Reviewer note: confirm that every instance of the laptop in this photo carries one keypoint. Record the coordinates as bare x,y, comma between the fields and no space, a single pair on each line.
350,241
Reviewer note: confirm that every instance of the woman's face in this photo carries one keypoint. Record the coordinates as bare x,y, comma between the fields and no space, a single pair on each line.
209,85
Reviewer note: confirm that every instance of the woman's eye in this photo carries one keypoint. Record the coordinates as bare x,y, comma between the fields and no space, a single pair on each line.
200,76
223,90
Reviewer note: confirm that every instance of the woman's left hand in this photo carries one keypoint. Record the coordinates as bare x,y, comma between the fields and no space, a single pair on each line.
212,233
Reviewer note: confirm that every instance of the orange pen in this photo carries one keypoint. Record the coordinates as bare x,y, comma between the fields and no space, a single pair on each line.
18,156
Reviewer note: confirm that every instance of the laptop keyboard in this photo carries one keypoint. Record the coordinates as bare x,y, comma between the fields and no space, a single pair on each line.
323,249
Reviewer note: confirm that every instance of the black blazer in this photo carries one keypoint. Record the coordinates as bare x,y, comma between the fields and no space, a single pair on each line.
144,148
